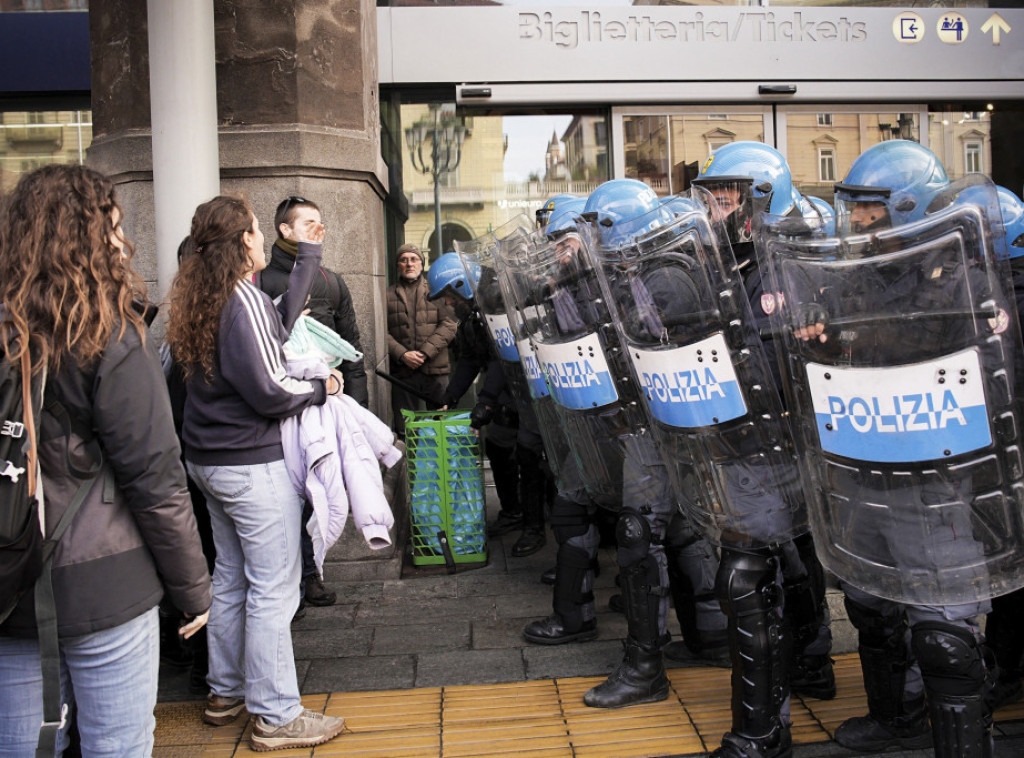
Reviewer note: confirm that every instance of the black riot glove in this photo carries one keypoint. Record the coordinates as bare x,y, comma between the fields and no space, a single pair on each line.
481,415
807,316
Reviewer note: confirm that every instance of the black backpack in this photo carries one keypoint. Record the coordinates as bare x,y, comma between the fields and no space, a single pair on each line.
21,537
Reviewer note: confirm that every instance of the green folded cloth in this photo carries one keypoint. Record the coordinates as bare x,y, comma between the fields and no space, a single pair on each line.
309,336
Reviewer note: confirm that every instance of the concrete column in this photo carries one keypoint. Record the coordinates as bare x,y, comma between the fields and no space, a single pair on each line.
183,107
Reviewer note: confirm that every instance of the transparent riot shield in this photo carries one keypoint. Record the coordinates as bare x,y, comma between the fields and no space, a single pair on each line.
902,348
505,327
557,292
685,323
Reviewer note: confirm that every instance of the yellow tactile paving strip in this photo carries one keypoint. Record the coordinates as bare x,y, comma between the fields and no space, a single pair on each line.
538,719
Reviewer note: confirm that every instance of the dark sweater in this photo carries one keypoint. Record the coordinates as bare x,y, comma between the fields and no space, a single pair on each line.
232,419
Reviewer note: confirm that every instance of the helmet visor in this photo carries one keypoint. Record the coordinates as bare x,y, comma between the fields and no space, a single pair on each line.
731,203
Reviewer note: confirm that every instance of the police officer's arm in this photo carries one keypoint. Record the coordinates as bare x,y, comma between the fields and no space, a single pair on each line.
471,362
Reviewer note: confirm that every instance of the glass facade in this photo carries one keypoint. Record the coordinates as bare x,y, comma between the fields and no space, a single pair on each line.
30,139
42,6
665,149
473,173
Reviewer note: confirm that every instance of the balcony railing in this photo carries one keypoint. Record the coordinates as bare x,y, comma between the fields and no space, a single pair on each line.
51,136
449,196
512,194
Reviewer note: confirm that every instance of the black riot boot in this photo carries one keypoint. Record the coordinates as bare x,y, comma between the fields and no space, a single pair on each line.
955,680
574,618
640,678
893,721
751,598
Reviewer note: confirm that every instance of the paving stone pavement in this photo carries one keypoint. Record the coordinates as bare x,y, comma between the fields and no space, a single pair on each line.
430,628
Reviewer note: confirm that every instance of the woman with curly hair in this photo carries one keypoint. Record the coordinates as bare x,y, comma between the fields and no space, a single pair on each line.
70,296
228,335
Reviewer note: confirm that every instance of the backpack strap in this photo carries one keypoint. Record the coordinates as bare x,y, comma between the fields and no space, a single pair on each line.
29,413
54,711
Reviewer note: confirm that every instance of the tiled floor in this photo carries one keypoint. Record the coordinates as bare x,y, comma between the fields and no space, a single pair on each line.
535,719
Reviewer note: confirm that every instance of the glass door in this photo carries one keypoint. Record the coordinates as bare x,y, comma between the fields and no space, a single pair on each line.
820,142
665,147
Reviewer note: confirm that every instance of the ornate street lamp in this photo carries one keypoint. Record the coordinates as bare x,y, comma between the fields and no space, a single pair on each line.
445,132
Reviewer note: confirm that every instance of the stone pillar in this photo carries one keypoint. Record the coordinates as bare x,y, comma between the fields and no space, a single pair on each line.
297,114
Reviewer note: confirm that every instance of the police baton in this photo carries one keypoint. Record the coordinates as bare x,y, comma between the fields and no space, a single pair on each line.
403,386
865,319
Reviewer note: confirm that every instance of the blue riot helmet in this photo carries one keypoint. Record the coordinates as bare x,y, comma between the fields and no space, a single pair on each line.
999,206
677,206
448,273
746,178
563,219
552,205
890,184
1012,210
623,209
818,214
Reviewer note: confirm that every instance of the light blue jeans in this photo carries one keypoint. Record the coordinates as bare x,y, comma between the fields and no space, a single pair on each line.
111,677
256,517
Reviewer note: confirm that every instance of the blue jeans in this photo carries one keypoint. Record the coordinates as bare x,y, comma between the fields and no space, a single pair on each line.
111,677
255,515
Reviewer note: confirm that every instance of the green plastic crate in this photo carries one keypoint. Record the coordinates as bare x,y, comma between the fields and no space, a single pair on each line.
446,489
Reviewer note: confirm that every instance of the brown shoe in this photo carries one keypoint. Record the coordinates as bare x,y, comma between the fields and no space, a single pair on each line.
306,730
222,710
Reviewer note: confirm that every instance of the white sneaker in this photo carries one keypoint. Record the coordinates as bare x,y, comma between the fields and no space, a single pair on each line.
306,730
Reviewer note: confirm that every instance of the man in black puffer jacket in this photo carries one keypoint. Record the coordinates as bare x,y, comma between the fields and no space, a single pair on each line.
331,304
329,300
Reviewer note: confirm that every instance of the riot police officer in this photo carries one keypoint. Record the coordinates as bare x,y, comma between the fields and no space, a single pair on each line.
613,454
574,514
745,178
519,480
685,324
1004,627
902,354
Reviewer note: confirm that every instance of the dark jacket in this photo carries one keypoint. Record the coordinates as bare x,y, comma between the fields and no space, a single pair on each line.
135,534
416,323
232,418
330,303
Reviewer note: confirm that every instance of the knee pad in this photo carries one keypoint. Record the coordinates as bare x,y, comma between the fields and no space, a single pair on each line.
950,658
569,519
633,535
746,584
